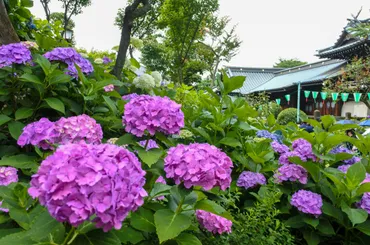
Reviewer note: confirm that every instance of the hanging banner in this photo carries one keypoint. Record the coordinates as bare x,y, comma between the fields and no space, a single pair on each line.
314,95
368,95
307,94
334,96
344,97
278,101
357,97
287,97
323,96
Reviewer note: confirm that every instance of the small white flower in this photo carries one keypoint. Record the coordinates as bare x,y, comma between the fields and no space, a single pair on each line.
145,81
99,61
157,78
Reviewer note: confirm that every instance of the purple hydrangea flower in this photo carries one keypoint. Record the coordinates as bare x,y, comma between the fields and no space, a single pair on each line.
41,134
266,134
5,210
152,114
307,202
162,181
304,148
279,148
129,97
109,88
249,179
364,203
14,53
198,165
151,144
291,172
342,149
284,158
213,223
82,180
70,57
344,168
8,175
106,60
44,133
77,129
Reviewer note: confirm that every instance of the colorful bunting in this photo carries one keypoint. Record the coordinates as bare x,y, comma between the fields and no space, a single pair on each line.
357,97
344,97
334,96
287,97
323,96
314,95
368,95
278,101
307,94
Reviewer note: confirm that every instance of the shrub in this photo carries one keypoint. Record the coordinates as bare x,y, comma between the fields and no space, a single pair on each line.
270,108
289,115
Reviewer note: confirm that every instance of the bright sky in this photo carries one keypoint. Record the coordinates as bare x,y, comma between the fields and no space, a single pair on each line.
269,29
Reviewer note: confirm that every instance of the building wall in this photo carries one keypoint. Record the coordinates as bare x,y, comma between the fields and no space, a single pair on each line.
356,109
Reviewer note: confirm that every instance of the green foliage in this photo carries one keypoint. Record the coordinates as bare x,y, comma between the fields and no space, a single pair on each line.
288,63
289,115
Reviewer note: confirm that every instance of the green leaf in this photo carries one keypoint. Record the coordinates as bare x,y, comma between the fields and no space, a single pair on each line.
311,237
15,129
332,211
4,119
295,222
363,188
230,142
170,224
19,238
311,221
23,112
19,161
112,106
212,207
187,239
364,227
125,140
160,189
42,226
60,78
135,63
325,227
5,232
233,83
143,220
150,157
327,121
27,3
97,237
29,78
357,216
129,235
44,63
355,175
271,120
56,104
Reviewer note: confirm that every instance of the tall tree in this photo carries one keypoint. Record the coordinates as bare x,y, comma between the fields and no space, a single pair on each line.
71,8
59,16
183,22
137,9
222,46
288,63
7,32
45,5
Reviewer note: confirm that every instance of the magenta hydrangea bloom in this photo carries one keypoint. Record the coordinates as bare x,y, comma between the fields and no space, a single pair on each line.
109,88
8,175
41,134
77,129
291,172
249,179
129,97
152,114
307,202
14,53
151,144
162,181
213,223
279,148
82,180
198,165
304,148
364,203
5,210
70,57
284,158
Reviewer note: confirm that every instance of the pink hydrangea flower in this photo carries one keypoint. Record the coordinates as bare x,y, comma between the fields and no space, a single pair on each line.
364,203
14,53
109,88
213,223
291,172
152,114
151,144
8,175
198,165
82,180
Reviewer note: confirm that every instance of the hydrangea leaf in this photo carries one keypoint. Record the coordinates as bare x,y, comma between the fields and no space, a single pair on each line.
143,220
187,239
23,113
97,237
229,141
311,237
295,222
363,188
15,129
150,157
357,216
212,207
55,104
112,106
31,79
170,224
160,189
325,227
129,235
355,175
364,227
4,119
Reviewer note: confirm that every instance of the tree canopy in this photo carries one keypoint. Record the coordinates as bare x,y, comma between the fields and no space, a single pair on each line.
288,63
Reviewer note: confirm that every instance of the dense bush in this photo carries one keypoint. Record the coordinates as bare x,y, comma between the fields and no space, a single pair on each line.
270,108
289,115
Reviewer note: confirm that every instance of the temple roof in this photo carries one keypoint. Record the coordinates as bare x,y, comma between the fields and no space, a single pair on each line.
347,45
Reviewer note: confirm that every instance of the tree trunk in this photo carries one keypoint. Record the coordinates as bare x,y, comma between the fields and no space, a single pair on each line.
7,32
123,46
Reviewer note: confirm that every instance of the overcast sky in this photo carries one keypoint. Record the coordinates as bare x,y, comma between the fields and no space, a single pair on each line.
269,29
